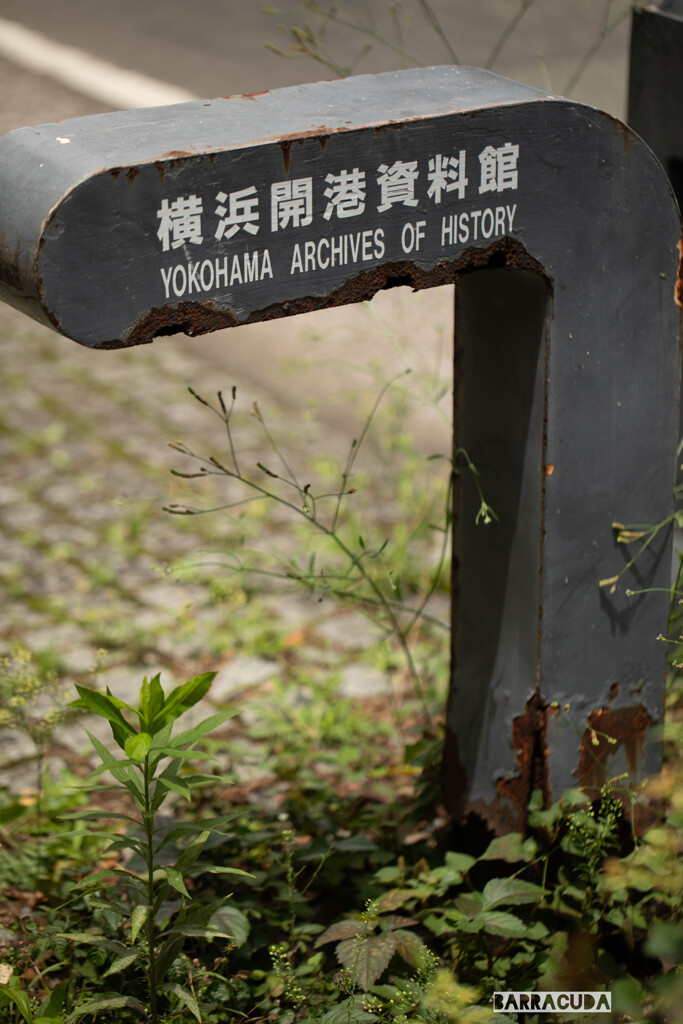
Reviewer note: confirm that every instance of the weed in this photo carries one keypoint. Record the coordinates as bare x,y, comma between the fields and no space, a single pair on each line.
350,564
139,899
33,702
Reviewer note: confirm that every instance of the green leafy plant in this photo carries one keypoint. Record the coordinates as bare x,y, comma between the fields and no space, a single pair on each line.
22,1006
366,945
150,771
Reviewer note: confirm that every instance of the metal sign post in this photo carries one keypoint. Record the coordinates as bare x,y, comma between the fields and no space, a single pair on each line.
655,95
559,230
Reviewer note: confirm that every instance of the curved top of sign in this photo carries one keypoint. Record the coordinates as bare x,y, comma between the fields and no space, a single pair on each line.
117,228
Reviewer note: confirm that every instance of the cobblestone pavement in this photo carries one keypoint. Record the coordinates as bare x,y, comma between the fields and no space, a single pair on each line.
91,559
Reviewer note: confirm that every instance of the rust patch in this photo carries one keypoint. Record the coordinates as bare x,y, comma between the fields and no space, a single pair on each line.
549,469
507,811
286,148
177,154
613,692
285,142
195,318
131,174
190,318
499,815
530,740
248,95
609,730
678,290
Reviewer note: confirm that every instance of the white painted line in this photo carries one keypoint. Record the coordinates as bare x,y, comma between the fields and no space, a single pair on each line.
88,75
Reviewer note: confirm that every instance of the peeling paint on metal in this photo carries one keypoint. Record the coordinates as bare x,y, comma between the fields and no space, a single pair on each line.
530,741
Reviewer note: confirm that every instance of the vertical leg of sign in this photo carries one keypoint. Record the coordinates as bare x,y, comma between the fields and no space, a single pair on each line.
499,422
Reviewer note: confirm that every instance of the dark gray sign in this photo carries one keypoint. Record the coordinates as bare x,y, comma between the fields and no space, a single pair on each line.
560,231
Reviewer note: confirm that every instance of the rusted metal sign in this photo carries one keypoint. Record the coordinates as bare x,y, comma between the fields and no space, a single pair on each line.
560,231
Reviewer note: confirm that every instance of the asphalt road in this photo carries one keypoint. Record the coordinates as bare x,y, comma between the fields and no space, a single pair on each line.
216,47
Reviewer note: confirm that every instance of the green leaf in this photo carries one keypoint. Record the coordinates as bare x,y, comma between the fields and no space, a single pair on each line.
498,922
216,825
203,728
186,997
152,704
198,932
168,953
176,784
92,881
175,878
410,947
354,844
460,862
393,899
138,918
500,891
350,1011
54,1004
468,903
182,698
97,815
137,747
367,958
121,962
190,854
101,705
665,941
20,999
234,924
108,760
86,939
108,1001
510,848
217,869
393,921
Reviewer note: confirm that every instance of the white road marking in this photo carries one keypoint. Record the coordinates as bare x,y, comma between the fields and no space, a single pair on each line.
88,75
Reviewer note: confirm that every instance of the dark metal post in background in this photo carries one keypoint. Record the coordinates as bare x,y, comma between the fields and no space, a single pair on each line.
560,232
655,90
655,94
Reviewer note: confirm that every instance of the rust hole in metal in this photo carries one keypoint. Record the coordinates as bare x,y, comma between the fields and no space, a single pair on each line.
530,740
195,318
608,731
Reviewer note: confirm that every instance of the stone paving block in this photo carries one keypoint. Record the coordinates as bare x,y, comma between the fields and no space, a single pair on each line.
358,681
240,674
350,632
